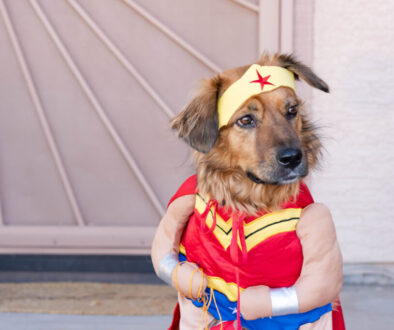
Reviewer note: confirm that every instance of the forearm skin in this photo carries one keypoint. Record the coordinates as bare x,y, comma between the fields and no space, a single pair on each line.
320,281
171,227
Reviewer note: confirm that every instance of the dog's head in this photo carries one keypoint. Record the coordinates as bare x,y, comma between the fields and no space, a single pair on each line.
267,137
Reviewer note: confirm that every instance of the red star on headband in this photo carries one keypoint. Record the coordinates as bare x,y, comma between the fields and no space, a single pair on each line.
262,80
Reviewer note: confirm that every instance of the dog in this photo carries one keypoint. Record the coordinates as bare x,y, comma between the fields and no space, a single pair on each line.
256,161
250,162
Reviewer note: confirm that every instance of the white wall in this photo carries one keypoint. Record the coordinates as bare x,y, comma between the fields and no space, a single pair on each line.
354,53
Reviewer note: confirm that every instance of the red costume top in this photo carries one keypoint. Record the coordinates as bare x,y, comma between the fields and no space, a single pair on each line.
269,238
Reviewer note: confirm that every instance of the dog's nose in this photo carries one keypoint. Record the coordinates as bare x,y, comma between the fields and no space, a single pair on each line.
289,157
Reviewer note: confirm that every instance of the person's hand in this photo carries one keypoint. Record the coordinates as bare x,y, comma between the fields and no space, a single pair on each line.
182,276
256,302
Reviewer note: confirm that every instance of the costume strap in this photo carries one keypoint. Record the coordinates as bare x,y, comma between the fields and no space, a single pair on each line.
238,232
212,203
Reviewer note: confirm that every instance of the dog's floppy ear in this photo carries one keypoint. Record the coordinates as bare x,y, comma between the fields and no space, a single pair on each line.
197,124
302,71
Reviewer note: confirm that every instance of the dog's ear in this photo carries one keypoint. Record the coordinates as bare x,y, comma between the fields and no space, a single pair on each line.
197,124
302,71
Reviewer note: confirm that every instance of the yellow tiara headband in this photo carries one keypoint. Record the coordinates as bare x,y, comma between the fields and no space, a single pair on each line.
257,79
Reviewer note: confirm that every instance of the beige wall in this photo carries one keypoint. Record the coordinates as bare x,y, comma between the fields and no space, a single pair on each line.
353,52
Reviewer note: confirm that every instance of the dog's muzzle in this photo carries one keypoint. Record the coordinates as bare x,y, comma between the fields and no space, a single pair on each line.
289,166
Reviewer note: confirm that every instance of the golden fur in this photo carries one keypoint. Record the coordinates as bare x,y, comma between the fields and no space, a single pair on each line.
224,157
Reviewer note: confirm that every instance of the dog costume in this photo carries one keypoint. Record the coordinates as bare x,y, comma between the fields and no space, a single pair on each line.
269,238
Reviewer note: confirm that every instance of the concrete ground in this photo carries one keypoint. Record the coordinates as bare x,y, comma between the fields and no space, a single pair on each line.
365,308
368,307
22,321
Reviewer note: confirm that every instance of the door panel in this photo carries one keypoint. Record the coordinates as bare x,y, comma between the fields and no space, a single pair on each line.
87,162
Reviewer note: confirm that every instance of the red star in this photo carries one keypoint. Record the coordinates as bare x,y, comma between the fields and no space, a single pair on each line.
262,80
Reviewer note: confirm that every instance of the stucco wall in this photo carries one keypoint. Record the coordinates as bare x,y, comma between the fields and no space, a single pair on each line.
354,53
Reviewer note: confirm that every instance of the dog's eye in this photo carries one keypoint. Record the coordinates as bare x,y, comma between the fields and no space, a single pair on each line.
292,111
246,121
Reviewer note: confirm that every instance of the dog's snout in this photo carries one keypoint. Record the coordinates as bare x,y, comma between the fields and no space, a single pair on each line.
289,157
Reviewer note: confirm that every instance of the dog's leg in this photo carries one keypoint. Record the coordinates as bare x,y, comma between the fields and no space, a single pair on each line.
191,316
324,323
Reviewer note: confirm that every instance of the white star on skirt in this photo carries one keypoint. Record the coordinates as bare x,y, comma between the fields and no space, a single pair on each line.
233,310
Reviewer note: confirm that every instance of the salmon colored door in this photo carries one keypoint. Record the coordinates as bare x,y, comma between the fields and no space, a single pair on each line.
87,88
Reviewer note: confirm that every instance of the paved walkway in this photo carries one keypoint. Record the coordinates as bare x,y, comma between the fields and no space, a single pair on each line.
365,308
21,321
368,307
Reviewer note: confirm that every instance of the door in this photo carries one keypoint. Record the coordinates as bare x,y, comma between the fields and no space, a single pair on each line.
87,88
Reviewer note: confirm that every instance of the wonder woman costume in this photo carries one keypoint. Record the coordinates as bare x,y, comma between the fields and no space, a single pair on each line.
272,257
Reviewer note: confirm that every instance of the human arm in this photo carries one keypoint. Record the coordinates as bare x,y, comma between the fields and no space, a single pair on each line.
320,280
167,240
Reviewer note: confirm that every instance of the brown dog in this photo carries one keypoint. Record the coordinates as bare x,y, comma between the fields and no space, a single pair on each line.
251,165
255,161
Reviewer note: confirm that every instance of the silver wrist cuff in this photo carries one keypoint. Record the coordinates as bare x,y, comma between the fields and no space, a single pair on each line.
284,301
166,267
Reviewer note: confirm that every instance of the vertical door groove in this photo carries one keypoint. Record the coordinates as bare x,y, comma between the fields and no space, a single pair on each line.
269,26
286,26
1,214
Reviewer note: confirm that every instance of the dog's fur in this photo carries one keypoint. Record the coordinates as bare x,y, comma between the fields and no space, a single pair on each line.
225,157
